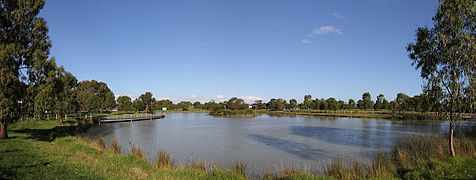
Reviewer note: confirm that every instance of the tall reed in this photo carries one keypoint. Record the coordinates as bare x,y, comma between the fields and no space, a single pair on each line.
163,160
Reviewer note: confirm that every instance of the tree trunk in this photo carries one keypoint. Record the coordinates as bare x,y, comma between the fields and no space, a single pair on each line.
452,150
3,132
61,120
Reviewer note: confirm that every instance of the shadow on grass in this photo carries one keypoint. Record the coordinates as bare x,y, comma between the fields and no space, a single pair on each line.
50,134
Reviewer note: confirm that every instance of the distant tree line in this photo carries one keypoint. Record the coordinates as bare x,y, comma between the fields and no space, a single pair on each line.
402,103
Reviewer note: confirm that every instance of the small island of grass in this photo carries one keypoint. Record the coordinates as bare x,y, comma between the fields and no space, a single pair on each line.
234,107
234,113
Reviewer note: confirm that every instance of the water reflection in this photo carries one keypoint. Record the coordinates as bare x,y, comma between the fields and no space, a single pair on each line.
343,136
301,150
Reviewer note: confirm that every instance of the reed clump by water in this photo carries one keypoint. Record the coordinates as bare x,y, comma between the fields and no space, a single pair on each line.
115,147
163,160
100,143
406,155
240,168
137,150
197,164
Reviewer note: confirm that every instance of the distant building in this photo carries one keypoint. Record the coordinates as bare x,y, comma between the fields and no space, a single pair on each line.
164,109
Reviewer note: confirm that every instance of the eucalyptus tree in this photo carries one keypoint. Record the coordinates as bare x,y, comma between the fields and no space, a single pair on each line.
367,102
148,100
197,105
124,103
379,103
236,103
94,96
332,104
446,56
293,104
281,104
351,104
185,105
403,101
307,101
24,42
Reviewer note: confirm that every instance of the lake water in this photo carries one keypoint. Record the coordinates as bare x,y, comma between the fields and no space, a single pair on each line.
265,143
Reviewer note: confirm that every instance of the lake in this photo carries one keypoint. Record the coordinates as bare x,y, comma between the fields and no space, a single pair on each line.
265,142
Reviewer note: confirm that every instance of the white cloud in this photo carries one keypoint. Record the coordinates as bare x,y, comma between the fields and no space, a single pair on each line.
130,95
337,15
219,98
323,30
191,98
250,99
305,41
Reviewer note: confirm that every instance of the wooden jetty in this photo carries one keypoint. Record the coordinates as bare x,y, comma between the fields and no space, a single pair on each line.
131,117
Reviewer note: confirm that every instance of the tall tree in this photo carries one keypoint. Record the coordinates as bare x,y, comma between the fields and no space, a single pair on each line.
352,104
379,103
236,103
293,104
307,101
403,101
367,102
24,42
94,96
148,100
124,103
197,105
446,55
332,104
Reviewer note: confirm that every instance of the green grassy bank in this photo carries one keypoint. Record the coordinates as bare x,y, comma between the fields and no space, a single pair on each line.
234,113
48,150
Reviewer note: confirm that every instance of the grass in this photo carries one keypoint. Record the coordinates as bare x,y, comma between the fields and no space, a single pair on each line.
234,113
48,150
44,150
451,168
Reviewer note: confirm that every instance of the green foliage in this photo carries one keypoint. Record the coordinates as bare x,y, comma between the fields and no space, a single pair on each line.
446,55
124,103
236,104
185,105
234,113
94,96
164,103
307,102
292,104
24,43
145,102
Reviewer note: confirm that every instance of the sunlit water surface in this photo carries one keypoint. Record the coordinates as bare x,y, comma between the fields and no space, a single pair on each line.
265,143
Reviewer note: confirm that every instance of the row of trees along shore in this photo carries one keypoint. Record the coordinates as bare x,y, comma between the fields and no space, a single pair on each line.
402,103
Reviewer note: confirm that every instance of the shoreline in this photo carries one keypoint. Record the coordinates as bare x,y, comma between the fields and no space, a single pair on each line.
59,152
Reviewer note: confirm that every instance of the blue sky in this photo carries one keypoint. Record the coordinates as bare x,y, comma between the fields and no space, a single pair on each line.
204,50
